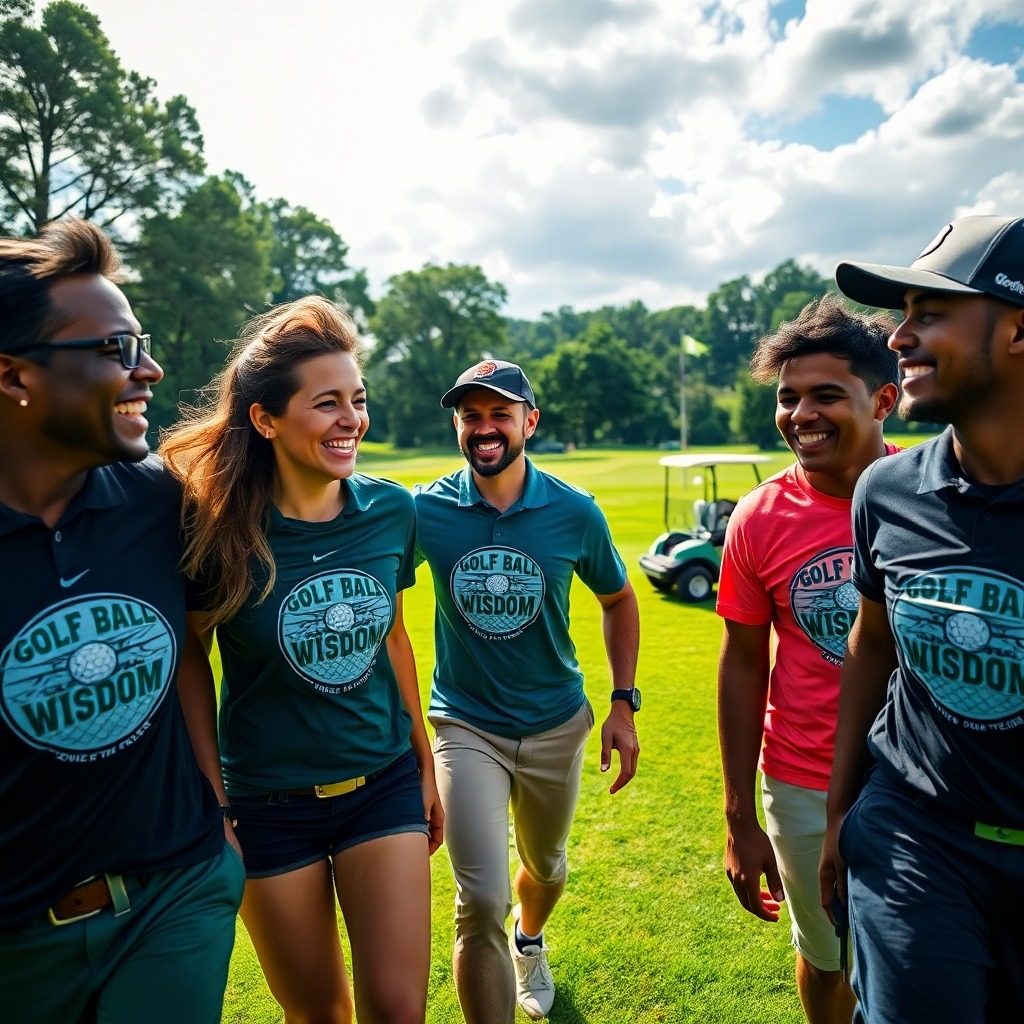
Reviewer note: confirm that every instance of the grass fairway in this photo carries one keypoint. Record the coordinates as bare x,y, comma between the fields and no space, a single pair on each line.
648,931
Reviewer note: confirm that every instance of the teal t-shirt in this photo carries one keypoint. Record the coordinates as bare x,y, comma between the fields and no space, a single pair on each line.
308,695
505,660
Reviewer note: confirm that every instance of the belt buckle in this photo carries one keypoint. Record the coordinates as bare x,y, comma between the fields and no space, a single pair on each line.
59,922
339,788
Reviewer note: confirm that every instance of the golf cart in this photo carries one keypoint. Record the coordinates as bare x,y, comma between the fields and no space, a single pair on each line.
687,560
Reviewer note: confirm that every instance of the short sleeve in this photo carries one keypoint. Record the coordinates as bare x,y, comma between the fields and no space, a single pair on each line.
866,576
410,555
600,566
742,596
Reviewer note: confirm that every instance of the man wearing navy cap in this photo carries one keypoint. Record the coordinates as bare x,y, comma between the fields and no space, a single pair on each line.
933,841
503,540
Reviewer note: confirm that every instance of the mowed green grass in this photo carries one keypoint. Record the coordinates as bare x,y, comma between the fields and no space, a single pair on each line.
648,930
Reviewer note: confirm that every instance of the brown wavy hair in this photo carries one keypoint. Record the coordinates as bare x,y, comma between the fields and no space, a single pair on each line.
225,466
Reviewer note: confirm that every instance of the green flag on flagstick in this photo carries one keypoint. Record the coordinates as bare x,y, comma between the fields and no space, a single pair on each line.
693,347
690,347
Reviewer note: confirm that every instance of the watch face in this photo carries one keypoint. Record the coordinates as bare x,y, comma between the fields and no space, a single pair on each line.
635,702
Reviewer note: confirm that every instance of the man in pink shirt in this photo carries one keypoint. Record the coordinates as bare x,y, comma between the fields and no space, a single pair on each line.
788,603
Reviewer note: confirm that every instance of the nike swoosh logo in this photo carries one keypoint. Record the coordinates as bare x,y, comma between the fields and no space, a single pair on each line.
74,579
326,554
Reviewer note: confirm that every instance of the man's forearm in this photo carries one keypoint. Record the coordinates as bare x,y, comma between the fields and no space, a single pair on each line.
621,629
869,662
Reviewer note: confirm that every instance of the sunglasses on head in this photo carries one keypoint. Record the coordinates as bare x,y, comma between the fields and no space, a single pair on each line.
129,346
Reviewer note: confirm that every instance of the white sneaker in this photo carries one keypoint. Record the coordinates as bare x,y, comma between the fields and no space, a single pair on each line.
535,988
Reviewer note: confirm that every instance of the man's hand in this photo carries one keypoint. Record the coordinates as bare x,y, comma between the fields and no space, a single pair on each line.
433,812
748,856
229,835
832,869
619,733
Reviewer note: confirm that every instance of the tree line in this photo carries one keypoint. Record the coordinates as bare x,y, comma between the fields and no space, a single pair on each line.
81,135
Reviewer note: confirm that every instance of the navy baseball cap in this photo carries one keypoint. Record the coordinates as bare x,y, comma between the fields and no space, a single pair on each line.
970,256
507,379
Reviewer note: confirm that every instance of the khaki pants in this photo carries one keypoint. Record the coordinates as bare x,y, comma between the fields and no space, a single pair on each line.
480,776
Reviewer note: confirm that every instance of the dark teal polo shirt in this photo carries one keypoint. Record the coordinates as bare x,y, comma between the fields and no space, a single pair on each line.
505,660
308,694
944,554
97,772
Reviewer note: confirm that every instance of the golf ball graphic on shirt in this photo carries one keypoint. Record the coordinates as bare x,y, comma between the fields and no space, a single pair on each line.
331,628
960,632
497,584
967,631
92,662
86,674
339,617
824,601
499,591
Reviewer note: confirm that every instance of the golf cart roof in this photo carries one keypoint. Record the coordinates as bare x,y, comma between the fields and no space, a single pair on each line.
708,459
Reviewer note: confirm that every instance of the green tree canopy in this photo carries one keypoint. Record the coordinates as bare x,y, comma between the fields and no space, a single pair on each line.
756,412
79,134
430,326
308,257
201,272
598,388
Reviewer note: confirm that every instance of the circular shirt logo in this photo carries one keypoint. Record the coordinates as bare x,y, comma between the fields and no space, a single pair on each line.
87,674
961,632
825,601
331,627
499,591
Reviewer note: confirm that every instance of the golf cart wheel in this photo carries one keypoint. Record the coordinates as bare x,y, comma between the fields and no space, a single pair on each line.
694,583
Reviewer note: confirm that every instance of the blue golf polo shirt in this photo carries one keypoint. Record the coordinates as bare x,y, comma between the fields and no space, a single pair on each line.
97,772
309,696
944,554
505,660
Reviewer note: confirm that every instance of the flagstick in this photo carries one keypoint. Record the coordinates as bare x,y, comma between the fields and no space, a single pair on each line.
682,396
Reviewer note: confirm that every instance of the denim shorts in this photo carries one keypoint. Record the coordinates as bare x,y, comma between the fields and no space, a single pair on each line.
281,832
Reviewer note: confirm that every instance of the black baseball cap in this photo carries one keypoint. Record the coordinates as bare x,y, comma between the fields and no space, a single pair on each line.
970,256
507,379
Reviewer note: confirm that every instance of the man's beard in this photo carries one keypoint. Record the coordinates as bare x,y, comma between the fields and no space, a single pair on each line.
512,452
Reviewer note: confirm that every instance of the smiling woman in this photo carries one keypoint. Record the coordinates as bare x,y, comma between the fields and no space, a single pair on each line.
324,752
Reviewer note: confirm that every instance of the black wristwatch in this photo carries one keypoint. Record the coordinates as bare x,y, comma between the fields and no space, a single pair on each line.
228,814
631,695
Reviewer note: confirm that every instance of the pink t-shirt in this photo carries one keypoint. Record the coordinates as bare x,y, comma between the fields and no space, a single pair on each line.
786,561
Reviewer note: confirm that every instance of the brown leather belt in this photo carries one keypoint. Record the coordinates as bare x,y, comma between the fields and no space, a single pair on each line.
84,900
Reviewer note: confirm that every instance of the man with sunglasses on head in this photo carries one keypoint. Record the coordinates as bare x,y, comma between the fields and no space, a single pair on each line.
930,857
118,891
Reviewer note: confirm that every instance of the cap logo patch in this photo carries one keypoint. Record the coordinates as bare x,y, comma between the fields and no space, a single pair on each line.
935,242
1014,286
485,369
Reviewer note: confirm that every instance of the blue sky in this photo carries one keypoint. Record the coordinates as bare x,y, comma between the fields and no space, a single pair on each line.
586,152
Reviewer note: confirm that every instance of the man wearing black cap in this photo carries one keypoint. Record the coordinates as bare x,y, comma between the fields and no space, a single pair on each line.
934,842
503,540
